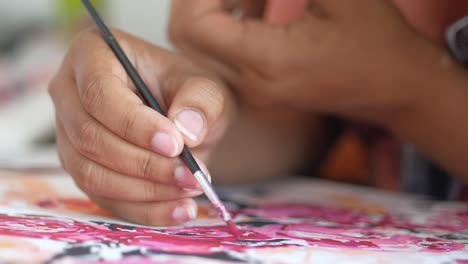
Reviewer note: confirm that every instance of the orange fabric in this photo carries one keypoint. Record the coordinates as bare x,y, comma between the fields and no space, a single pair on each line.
375,163
348,160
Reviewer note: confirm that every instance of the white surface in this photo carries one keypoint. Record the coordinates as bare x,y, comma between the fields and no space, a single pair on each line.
24,121
25,9
45,158
27,119
144,18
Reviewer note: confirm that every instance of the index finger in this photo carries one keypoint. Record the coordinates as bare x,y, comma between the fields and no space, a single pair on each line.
106,93
207,27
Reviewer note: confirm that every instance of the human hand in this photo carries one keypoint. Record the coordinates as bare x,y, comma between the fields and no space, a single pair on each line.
354,58
122,153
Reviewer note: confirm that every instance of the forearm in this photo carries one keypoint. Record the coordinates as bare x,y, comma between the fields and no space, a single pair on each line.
266,143
438,124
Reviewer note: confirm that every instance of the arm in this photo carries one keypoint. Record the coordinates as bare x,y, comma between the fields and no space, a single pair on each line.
437,123
266,143
354,59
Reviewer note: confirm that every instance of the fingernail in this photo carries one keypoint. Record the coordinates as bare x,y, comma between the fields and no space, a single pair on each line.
190,123
164,144
184,213
184,177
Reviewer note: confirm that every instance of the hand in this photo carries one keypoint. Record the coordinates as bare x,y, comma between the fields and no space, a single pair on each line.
354,58
123,153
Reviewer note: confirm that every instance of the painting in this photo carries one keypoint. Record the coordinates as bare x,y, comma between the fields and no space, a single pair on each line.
46,219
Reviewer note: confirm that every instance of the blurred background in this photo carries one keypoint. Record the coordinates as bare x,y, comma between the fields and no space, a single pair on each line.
34,35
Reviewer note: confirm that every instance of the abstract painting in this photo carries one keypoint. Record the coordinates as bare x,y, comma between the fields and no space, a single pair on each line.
46,219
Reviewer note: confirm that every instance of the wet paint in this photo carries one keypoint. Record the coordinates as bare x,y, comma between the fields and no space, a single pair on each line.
234,230
312,226
282,230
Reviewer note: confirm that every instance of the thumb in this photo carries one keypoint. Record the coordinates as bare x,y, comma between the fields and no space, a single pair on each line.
197,107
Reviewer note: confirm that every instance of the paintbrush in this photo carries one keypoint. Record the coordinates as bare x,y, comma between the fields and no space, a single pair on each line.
145,93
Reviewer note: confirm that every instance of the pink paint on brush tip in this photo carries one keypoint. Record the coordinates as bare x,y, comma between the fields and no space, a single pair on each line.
233,229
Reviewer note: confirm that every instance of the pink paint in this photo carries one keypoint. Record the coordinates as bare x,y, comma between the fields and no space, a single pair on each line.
234,230
347,218
313,225
131,260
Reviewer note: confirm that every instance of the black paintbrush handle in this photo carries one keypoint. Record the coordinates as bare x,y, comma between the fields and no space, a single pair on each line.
135,77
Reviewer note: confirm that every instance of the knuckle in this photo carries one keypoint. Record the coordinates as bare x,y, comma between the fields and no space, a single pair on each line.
127,121
260,88
92,93
269,66
89,177
85,36
151,192
149,167
83,39
89,138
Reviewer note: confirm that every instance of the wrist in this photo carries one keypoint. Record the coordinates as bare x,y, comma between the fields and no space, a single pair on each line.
437,92
436,124
427,78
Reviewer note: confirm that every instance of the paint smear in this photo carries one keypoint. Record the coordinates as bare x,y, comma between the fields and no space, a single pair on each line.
267,227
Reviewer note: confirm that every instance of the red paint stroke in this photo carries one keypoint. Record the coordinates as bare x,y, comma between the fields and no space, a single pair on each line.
271,226
234,230
348,218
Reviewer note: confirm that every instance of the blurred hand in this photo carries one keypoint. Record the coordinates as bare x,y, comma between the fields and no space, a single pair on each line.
356,58
123,153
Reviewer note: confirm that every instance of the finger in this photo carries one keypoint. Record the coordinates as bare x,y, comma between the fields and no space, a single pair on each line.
245,8
200,7
106,94
348,9
210,30
153,214
97,143
95,179
197,105
183,14
283,12
204,24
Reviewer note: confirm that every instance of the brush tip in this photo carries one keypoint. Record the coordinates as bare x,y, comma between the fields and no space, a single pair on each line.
233,228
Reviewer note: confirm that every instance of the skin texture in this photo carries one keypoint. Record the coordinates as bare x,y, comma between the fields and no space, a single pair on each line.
256,90
296,63
124,154
106,136
329,58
